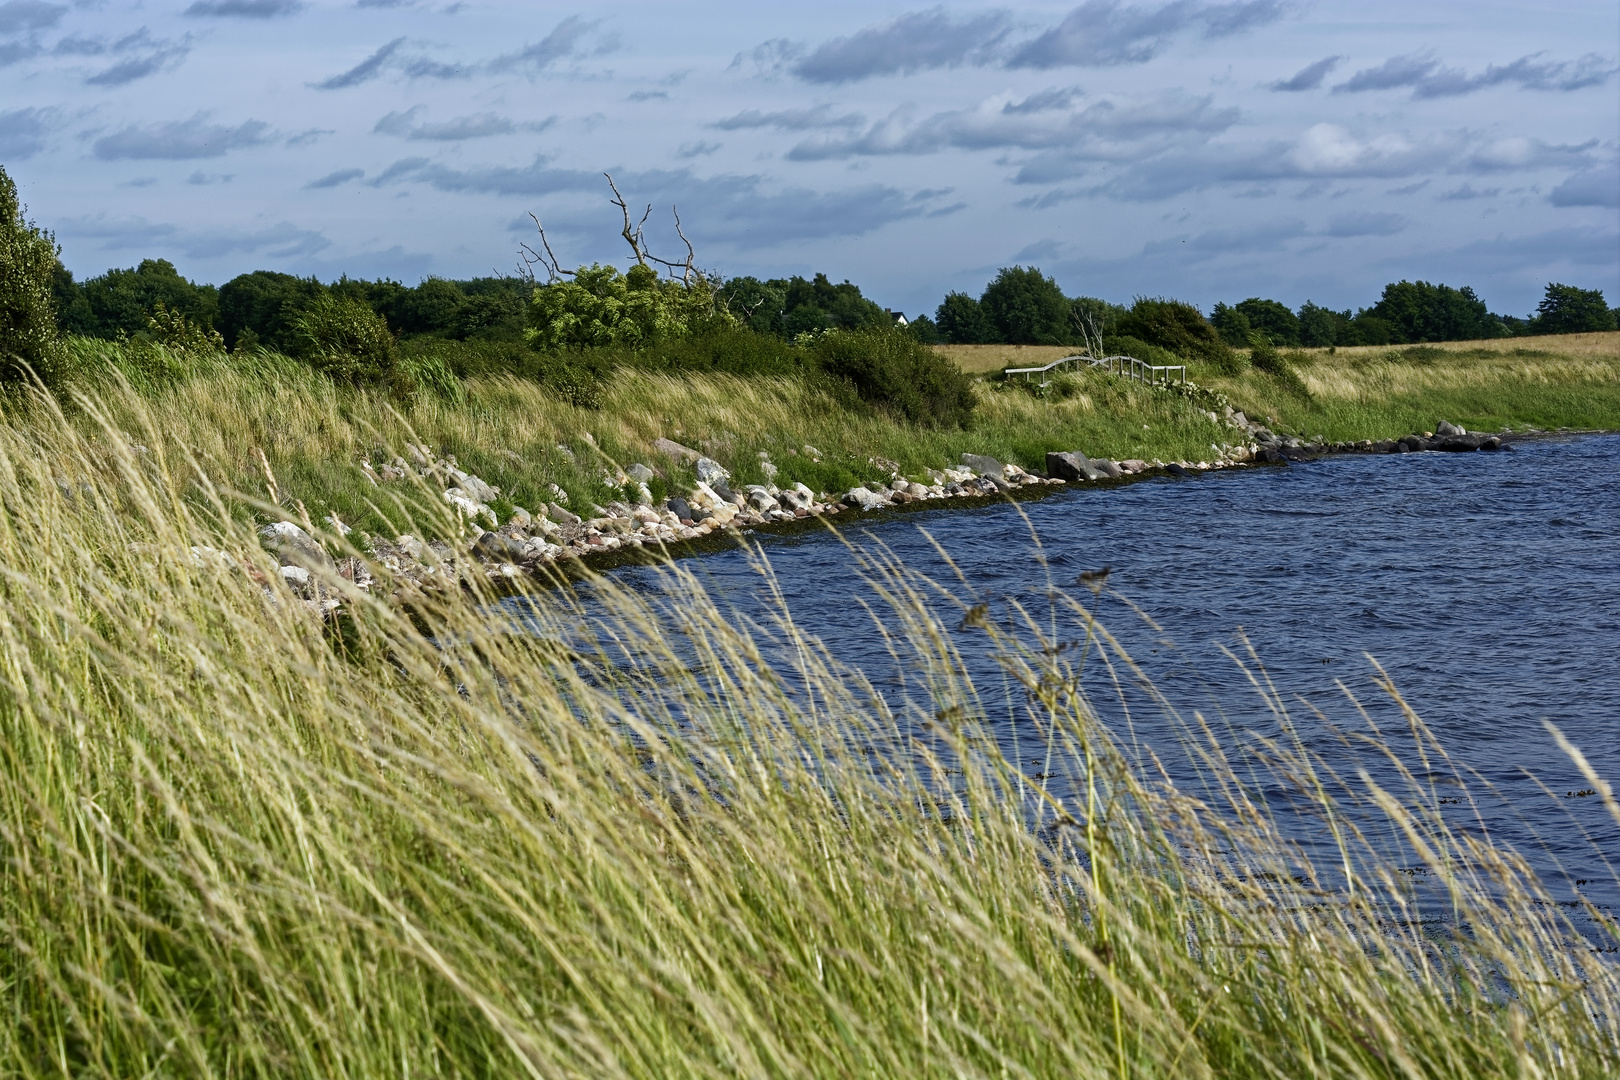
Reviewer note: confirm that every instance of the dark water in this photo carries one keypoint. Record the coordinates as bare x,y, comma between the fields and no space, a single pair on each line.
1487,585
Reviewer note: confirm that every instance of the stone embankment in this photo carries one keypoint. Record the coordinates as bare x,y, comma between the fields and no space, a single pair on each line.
530,541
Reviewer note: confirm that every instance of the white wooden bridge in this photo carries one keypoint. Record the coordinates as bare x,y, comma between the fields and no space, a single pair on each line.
1139,370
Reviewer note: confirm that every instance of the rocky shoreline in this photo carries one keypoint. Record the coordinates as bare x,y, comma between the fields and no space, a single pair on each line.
554,542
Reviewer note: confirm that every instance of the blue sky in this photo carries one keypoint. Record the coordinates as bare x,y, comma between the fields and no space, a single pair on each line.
1203,150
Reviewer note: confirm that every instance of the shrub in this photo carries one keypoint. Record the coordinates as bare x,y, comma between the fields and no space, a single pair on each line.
723,347
1176,326
1265,357
601,306
897,373
347,341
29,338
962,321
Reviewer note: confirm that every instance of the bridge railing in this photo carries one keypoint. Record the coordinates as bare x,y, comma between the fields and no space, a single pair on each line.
1139,370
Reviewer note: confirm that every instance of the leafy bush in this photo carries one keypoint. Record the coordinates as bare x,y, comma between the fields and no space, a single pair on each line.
723,347
1176,326
962,321
29,338
897,373
1141,350
601,306
258,310
1265,357
347,341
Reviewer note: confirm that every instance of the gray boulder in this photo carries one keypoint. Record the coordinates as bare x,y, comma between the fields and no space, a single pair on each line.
1447,428
295,547
639,473
561,516
1107,468
493,547
710,470
675,450
1072,465
681,509
761,500
864,499
984,466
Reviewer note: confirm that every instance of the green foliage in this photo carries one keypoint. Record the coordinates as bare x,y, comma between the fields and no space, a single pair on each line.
1025,307
29,338
925,330
431,375
348,342
1089,315
1418,312
756,304
1265,357
897,373
818,304
259,310
723,347
962,321
1271,318
1321,327
1231,324
1141,350
1176,326
121,301
601,307
1564,309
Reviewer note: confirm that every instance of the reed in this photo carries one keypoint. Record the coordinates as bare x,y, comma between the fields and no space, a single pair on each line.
611,832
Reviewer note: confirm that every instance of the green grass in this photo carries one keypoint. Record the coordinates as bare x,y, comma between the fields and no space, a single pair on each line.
647,839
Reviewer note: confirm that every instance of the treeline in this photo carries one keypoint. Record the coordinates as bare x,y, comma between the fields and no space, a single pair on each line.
1022,306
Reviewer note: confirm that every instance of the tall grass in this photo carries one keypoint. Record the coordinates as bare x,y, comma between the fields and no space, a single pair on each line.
625,833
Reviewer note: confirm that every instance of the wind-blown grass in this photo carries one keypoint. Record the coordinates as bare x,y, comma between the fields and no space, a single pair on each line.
613,835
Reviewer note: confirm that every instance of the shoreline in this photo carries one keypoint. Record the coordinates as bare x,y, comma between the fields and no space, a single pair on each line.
568,566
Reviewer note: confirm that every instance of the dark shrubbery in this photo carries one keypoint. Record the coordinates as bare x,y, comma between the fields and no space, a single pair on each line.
1025,307
1564,309
345,340
962,321
29,338
1176,326
895,372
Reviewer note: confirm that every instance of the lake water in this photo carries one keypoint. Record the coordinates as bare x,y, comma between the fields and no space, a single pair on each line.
1487,585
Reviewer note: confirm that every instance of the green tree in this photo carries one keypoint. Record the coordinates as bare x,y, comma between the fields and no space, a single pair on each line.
962,321
1417,311
1093,316
818,304
1568,310
600,306
261,308
1271,318
1176,326
925,330
1025,307
758,305
1232,325
29,337
1320,327
121,301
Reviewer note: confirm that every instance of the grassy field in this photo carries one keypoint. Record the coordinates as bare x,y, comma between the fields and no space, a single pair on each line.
645,839
984,359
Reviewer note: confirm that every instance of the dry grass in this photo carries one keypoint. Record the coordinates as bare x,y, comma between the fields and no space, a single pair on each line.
631,835
1605,345
981,359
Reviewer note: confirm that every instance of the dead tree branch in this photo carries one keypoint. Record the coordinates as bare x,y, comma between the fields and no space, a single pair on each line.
528,258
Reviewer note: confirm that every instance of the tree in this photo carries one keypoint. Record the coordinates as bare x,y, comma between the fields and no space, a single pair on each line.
925,330
1320,327
601,306
756,304
1417,311
1176,326
342,337
1232,325
121,301
962,321
1568,310
259,309
29,338
1025,307
893,370
1271,318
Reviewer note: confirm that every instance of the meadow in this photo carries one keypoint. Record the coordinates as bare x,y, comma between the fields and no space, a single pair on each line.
633,836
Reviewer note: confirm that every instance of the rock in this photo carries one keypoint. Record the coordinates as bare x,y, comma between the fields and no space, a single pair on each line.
639,473
1456,443
1111,469
680,508
982,465
298,579
761,500
469,507
710,470
1270,455
768,469
792,499
295,547
1491,442
864,499
561,516
916,491
726,494
521,518
1072,465
675,450
1445,428
493,547
1415,443
1176,470
810,452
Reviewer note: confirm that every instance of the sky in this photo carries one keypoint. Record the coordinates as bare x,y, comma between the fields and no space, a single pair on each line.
1201,150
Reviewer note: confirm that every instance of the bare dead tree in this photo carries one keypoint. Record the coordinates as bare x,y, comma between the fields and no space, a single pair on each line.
528,258
634,234
1090,336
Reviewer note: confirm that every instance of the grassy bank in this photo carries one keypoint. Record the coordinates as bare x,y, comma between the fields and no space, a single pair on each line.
641,839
